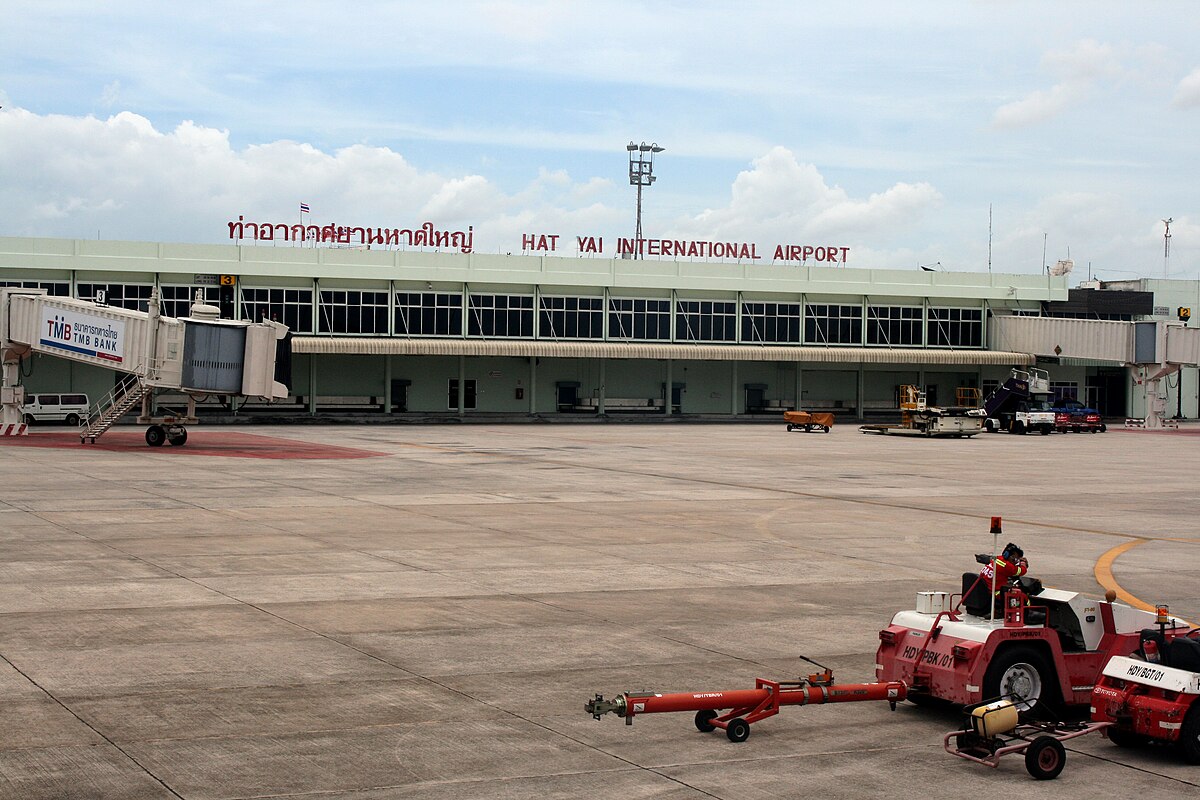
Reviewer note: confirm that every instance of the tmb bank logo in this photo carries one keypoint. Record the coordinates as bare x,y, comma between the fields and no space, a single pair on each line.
89,336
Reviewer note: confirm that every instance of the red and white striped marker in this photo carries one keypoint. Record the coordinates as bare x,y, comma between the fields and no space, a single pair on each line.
14,429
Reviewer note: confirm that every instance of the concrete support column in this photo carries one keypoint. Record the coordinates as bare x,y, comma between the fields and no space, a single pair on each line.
603,387
462,386
799,400
312,384
387,385
533,384
861,392
733,390
669,390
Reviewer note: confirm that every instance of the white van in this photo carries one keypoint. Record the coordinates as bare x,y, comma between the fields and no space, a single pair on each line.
68,408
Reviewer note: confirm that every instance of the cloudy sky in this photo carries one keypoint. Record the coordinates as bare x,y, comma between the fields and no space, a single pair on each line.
891,128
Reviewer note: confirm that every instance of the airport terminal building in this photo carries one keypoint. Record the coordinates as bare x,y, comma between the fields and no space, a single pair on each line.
422,333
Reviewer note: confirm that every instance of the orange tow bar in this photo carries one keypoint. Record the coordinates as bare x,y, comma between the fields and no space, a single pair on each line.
746,706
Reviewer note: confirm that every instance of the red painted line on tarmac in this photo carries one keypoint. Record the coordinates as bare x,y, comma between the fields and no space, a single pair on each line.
200,443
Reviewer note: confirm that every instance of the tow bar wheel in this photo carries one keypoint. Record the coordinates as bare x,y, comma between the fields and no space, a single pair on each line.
704,721
1045,758
738,730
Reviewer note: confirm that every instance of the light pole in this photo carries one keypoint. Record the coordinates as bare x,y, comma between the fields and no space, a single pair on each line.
641,173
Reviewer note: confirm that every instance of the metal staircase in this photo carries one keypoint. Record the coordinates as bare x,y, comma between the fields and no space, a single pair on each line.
106,412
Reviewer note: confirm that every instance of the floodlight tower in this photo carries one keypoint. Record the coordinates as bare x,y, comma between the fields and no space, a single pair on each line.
641,173
1167,246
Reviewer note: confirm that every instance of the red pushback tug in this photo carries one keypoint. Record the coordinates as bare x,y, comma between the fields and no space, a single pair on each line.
1048,646
746,706
1154,695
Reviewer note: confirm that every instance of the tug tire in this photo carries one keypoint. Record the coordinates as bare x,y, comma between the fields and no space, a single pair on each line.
1189,735
1022,665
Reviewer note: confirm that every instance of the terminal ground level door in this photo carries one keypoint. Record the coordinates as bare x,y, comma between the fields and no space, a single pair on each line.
566,395
400,395
756,398
468,394
1105,392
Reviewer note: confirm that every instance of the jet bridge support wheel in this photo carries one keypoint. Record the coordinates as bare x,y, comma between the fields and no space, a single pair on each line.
156,435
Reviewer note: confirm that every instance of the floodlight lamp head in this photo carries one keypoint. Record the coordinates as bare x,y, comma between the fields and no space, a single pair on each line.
631,147
654,148
645,148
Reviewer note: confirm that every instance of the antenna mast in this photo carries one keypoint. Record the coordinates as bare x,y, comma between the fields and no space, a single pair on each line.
989,237
1167,246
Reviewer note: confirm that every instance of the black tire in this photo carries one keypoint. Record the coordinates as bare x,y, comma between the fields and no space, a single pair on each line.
28,419
73,420
1189,735
1103,427
1022,671
827,429
1018,428
156,435
1045,758
178,439
922,700
738,730
1124,738
791,427
1044,431
704,721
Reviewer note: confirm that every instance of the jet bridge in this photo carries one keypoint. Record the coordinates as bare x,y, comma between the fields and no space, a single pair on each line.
1150,350
197,355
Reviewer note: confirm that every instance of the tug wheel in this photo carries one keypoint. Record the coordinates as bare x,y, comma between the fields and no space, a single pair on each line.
178,439
1022,673
1189,735
1124,738
738,730
1045,758
704,721
791,427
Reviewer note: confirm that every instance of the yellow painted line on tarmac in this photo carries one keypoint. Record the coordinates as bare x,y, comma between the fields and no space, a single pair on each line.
1104,575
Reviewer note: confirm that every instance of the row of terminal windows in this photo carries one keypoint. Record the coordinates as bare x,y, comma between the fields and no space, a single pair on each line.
365,312
498,315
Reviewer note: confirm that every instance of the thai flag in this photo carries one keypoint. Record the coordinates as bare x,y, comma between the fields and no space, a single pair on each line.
304,208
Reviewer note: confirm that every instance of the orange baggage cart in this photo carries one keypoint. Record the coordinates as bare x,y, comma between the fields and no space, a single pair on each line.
808,420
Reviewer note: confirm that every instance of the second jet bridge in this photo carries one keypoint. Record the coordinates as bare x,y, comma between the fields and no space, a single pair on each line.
1151,350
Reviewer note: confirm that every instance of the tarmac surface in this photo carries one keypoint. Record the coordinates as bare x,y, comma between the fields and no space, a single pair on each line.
360,613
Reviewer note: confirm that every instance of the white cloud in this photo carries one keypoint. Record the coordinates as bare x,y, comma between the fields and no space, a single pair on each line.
1038,106
73,176
1187,95
1080,68
781,199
